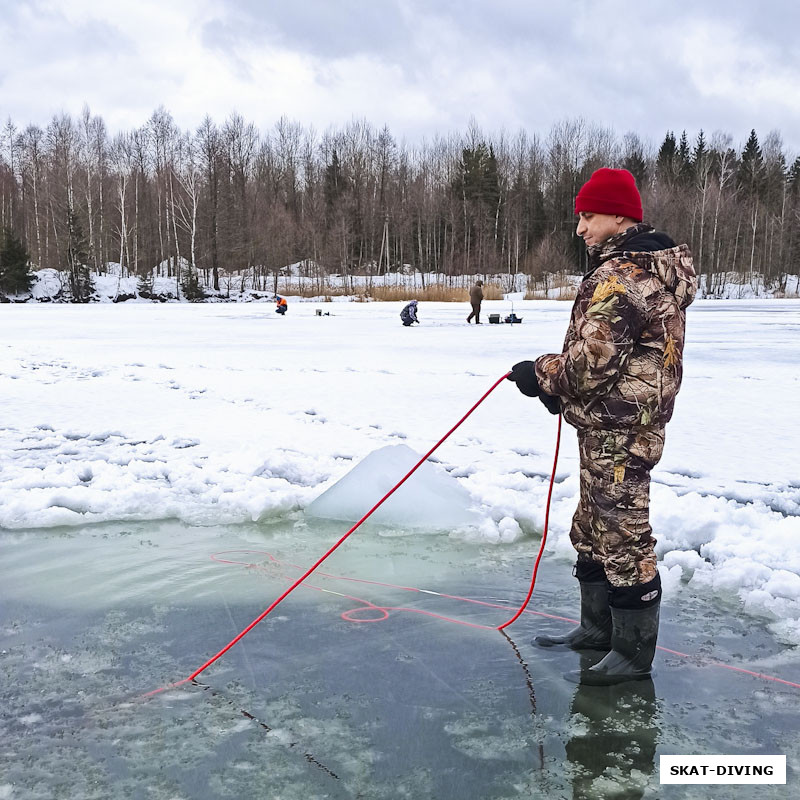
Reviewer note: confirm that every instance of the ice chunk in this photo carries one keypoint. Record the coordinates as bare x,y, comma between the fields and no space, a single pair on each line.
430,498
783,584
509,529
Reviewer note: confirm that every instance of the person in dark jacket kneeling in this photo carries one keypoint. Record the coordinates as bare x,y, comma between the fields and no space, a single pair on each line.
409,314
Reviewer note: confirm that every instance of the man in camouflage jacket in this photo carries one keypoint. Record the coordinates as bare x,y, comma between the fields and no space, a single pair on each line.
615,381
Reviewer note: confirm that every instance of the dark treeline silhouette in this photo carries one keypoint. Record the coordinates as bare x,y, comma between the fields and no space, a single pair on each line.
232,199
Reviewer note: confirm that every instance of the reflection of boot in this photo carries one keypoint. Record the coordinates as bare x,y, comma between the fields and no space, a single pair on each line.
633,637
612,731
594,632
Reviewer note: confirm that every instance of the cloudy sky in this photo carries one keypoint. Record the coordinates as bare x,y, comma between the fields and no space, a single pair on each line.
418,66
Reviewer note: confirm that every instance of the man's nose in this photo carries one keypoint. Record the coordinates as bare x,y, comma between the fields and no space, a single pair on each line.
581,227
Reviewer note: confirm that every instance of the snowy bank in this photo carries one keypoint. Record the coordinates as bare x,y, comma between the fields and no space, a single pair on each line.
113,287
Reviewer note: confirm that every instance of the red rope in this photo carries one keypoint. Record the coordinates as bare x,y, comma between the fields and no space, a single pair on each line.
332,549
544,533
383,610
367,605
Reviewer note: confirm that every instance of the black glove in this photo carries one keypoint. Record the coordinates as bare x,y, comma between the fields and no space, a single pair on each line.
524,375
551,402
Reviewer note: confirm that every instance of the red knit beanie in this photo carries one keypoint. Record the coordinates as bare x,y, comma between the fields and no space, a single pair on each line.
610,191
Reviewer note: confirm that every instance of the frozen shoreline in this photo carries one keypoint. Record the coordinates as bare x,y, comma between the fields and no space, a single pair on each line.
297,285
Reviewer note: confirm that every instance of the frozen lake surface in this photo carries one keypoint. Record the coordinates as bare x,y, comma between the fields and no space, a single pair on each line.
140,445
313,705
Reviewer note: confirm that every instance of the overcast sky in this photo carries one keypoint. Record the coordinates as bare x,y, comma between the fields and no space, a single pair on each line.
418,66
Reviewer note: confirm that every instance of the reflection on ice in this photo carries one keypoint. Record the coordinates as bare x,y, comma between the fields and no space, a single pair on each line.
611,747
429,499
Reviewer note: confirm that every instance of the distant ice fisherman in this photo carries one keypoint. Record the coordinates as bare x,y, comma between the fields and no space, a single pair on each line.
475,299
409,314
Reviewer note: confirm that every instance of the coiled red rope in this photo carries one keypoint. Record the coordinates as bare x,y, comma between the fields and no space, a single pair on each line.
358,524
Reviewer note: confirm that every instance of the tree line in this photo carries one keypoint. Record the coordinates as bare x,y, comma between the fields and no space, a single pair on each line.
230,199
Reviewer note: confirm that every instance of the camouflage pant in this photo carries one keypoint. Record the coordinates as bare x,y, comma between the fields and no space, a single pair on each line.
612,523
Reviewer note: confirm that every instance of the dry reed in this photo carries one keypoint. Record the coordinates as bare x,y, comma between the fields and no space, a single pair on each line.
562,293
431,293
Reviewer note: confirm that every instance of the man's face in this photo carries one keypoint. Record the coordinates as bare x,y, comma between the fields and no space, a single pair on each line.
596,228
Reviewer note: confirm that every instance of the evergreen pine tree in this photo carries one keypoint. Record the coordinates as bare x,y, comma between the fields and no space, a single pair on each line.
81,284
477,186
334,181
684,160
793,238
478,179
491,179
793,178
666,159
751,166
700,153
144,286
634,160
15,275
190,285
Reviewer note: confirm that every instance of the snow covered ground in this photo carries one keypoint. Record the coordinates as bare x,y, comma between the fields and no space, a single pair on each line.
225,413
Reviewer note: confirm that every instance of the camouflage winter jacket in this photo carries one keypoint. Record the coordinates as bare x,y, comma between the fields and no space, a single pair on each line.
622,360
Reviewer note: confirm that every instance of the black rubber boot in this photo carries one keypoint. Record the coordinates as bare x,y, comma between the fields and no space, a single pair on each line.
633,637
594,632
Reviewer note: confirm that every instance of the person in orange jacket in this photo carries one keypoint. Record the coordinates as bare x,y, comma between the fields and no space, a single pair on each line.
282,306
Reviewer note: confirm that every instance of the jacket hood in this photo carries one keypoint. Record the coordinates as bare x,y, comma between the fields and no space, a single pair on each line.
656,252
674,266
